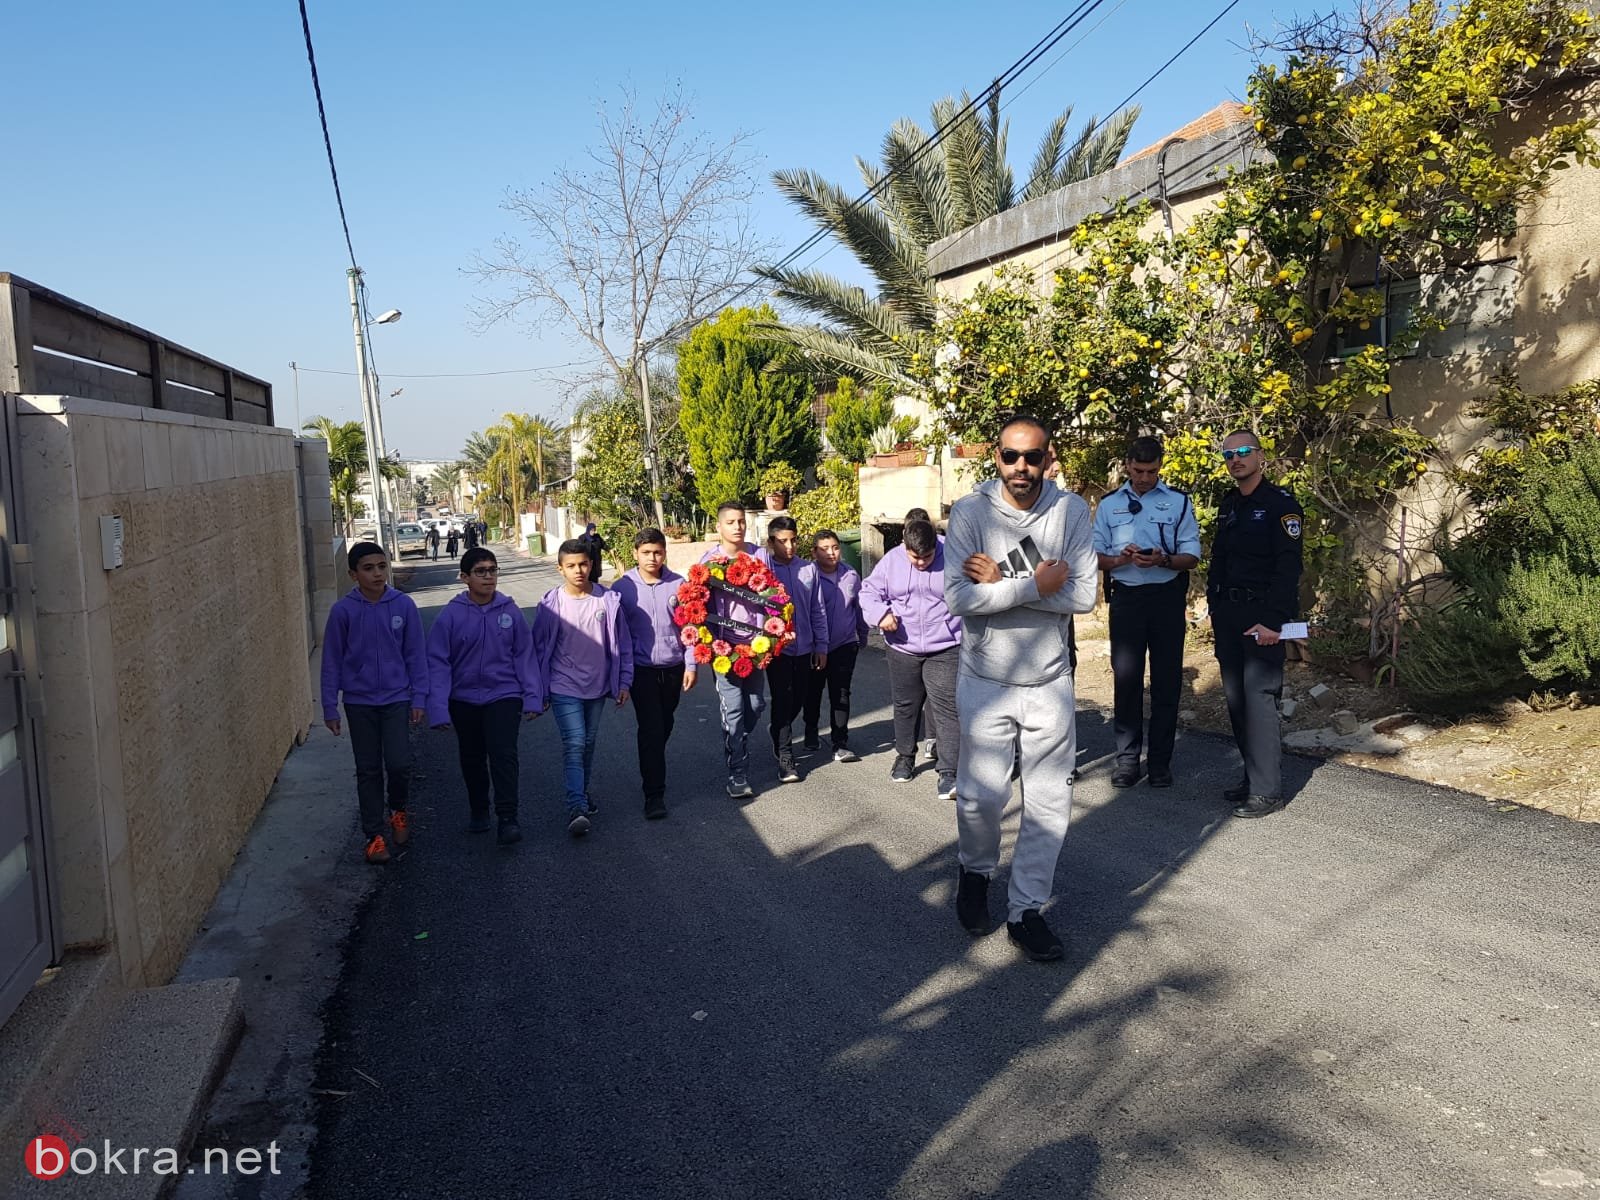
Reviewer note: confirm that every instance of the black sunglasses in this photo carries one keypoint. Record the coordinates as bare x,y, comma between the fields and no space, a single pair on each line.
1032,457
1241,452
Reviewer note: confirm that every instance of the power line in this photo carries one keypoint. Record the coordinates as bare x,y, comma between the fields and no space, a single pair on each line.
590,362
327,141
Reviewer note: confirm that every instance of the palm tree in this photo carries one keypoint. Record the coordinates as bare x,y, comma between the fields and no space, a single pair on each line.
347,462
929,194
520,442
447,482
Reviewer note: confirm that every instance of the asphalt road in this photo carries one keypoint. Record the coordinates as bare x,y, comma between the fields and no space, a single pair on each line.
1385,990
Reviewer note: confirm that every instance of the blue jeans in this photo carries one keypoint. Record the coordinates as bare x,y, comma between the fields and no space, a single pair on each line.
579,722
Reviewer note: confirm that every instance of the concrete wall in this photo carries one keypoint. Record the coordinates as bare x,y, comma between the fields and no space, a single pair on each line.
175,684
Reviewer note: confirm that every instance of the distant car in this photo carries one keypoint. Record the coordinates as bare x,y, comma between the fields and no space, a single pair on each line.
410,538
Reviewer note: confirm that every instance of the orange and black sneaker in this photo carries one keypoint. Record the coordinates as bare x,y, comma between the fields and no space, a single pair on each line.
377,851
400,826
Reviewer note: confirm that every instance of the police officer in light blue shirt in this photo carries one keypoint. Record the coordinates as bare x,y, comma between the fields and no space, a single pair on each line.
1146,536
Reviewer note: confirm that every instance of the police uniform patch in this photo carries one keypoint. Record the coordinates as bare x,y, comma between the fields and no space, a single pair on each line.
1291,525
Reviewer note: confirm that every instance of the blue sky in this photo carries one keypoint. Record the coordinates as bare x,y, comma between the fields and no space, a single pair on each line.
165,162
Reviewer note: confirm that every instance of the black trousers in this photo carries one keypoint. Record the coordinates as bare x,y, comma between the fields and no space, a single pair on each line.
835,680
1147,619
655,694
1252,681
931,678
486,736
788,676
379,735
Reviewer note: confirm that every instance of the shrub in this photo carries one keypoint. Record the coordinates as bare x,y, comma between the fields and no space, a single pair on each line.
835,504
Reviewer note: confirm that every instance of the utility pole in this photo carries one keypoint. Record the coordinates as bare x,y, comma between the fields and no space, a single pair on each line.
295,367
369,412
650,456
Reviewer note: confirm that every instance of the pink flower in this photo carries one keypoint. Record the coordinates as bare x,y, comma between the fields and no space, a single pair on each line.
720,647
689,636
774,626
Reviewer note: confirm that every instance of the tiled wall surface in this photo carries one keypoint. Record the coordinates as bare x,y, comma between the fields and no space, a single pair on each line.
175,684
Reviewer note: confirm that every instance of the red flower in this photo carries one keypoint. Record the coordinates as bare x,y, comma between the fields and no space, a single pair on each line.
742,650
693,594
742,666
702,654
697,613
699,573
739,572
760,579
680,615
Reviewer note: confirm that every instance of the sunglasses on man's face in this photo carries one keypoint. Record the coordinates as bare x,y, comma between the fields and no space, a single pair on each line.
1032,457
1241,452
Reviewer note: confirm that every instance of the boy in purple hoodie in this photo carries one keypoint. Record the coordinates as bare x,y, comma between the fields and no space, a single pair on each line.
847,633
483,682
585,657
372,651
663,667
789,675
904,597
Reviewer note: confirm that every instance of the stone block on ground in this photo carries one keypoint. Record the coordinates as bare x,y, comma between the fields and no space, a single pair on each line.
1345,722
1321,694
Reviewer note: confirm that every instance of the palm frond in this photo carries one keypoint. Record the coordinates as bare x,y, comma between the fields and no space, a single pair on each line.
839,304
1047,158
828,355
1098,147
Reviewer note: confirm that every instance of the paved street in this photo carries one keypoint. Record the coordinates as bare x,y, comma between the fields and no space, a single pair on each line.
1386,990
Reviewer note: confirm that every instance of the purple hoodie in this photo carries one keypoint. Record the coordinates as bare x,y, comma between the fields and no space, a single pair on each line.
479,653
841,596
618,642
648,608
799,579
373,652
916,597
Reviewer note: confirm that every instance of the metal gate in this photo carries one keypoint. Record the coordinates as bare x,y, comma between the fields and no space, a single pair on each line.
30,929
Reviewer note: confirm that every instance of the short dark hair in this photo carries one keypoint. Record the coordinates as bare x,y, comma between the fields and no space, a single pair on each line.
782,525
726,505
1249,433
917,514
1144,450
572,546
823,535
921,538
475,556
364,550
1022,418
649,536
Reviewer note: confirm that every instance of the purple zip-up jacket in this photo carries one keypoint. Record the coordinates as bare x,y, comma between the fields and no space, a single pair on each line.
479,653
927,625
648,608
841,596
618,641
799,579
373,652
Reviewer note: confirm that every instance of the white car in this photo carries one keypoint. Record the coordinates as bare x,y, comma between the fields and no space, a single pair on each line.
410,538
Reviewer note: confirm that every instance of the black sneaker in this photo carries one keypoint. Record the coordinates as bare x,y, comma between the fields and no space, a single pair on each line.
813,742
901,771
972,901
1160,777
1125,777
578,826
947,785
655,807
1260,806
845,754
589,806
739,787
1033,937
479,822
1236,795
787,771
510,833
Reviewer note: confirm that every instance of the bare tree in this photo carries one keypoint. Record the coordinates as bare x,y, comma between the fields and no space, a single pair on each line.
631,251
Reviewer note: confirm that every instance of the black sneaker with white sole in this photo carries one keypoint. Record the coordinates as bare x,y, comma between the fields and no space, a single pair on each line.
901,771
739,787
578,826
947,785
972,901
1033,937
845,754
787,771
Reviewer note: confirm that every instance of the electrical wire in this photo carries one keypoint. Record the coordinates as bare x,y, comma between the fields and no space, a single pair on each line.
327,141
589,362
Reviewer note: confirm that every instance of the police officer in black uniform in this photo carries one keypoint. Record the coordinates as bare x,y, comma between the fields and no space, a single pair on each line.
1253,588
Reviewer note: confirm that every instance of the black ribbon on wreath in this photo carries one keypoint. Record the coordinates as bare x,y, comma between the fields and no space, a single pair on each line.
728,623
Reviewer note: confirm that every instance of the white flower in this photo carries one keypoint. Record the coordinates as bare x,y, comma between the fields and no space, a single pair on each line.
947,354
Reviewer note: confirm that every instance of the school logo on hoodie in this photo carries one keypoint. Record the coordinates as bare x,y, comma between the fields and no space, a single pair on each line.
1022,561
397,621
505,620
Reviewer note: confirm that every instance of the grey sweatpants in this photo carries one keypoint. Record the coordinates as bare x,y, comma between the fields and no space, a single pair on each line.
998,721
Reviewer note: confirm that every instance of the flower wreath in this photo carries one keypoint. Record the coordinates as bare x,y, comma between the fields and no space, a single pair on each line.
728,644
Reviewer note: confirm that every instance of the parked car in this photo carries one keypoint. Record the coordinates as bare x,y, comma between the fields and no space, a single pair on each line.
410,538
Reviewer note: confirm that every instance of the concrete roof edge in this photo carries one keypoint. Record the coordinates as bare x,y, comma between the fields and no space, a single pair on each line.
1192,166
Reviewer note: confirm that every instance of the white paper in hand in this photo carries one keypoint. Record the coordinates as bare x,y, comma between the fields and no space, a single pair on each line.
1294,631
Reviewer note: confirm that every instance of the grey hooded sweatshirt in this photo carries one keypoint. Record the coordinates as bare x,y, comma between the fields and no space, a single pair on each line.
1010,634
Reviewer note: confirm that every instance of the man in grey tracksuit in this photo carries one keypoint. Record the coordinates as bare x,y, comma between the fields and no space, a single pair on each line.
1019,561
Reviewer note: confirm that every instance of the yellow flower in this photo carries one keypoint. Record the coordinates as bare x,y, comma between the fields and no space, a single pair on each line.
721,663
761,644
788,612
705,636
1386,220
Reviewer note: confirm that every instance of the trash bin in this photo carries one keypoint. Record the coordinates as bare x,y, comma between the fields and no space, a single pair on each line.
850,547
536,543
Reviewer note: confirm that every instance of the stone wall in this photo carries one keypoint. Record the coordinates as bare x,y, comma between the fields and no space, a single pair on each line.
176,683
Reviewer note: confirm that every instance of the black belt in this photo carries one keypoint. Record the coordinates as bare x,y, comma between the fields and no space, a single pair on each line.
1236,595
